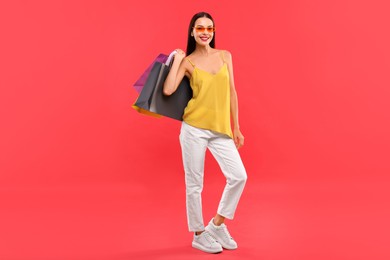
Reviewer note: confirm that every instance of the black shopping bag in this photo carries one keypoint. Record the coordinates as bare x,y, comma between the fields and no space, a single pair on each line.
152,100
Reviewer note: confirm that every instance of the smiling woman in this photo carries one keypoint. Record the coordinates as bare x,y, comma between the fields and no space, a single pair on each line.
206,124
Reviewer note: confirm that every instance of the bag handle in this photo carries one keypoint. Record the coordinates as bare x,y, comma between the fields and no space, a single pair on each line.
170,57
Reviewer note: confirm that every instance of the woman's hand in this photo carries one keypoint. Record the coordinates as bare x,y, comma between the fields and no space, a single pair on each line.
180,54
238,138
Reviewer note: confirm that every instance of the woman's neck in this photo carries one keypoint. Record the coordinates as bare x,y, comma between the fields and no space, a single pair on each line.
203,50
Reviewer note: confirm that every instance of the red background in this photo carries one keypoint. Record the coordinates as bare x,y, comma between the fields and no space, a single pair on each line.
84,176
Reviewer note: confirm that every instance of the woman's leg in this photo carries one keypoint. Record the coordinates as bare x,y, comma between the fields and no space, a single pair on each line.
225,152
218,219
228,158
193,143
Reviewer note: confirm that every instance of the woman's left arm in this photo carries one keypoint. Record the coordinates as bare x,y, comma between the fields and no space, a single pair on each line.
237,135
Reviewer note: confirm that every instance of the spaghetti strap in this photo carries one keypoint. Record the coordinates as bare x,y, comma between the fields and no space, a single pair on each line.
222,54
193,65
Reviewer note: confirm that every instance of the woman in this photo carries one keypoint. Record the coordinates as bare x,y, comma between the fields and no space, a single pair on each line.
206,124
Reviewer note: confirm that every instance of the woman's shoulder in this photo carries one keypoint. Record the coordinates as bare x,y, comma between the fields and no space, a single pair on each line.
190,56
225,54
223,51
189,61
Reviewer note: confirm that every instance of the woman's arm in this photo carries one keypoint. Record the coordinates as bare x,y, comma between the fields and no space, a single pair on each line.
176,74
237,135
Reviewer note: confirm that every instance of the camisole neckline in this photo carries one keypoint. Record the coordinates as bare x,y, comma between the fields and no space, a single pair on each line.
212,74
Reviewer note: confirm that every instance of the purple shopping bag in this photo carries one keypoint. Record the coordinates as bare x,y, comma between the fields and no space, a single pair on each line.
139,84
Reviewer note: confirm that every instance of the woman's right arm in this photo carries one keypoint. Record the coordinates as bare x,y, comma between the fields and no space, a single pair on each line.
175,75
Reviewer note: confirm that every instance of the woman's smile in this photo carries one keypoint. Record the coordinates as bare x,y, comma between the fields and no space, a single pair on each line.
204,38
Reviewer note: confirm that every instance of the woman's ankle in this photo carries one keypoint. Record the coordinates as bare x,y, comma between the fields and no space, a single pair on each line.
218,220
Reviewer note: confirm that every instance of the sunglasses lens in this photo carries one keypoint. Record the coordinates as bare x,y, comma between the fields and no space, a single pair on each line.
202,29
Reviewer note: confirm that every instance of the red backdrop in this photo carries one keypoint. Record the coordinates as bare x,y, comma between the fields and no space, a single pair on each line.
313,84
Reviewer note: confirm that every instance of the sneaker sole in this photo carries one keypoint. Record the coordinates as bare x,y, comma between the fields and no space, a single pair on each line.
220,242
205,249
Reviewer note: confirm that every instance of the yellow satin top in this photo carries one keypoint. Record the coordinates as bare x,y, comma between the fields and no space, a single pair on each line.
209,107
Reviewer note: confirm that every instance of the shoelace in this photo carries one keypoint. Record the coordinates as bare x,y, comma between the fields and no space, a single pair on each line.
209,238
226,231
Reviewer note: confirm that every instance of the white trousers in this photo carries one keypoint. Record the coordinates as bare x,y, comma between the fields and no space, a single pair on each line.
194,142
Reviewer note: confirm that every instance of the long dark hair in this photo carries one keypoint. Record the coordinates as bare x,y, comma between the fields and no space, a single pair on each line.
191,44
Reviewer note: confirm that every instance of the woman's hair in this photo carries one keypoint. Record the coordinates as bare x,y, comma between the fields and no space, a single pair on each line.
191,44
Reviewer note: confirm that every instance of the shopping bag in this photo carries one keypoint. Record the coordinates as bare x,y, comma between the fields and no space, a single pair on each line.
139,84
151,101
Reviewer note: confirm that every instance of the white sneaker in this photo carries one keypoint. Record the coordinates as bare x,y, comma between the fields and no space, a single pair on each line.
206,243
222,235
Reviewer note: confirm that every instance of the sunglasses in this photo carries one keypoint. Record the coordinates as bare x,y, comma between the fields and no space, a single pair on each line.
202,29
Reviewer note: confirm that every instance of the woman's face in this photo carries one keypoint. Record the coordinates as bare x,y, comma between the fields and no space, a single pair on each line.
203,31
